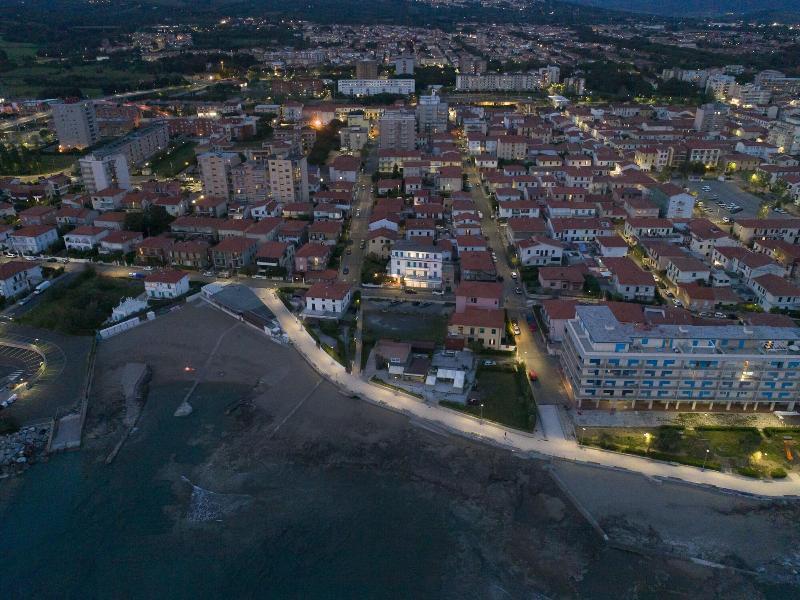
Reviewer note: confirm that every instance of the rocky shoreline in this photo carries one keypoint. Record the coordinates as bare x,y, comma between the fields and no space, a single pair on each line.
20,450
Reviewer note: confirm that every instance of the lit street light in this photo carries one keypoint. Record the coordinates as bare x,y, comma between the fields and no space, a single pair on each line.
705,459
481,411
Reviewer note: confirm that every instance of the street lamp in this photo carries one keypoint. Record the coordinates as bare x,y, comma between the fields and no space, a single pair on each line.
481,411
705,459
583,434
647,437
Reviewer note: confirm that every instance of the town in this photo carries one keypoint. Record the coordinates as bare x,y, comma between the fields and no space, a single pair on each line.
575,241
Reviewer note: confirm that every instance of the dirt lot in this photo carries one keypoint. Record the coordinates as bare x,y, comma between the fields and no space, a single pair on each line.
337,485
405,321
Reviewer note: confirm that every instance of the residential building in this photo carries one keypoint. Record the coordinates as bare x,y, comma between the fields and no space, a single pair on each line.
478,326
397,130
163,285
328,297
416,265
373,87
216,173
288,178
718,366
34,239
85,238
234,253
629,281
774,291
432,114
18,277
540,252
75,123
479,294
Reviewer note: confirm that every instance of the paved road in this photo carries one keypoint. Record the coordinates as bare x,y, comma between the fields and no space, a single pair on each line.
549,388
516,441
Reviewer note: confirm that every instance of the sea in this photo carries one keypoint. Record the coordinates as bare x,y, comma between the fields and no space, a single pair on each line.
75,527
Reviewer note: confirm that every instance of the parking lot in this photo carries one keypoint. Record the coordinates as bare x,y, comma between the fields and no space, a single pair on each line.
729,193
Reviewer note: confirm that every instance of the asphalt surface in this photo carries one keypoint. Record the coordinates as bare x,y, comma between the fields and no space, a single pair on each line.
729,193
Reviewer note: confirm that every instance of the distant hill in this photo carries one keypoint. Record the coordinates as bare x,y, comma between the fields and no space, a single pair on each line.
698,8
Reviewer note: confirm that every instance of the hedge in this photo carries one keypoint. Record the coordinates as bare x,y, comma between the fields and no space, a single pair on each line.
770,431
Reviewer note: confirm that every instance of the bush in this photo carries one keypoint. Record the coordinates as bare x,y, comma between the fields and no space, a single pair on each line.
778,473
8,425
748,472
727,428
781,431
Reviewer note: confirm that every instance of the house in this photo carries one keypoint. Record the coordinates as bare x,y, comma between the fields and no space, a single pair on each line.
686,269
705,236
328,297
773,291
384,220
275,259
120,241
466,224
38,215
385,186
68,216
523,228
786,254
324,232
517,208
111,220
210,206
34,239
477,266
449,179
154,249
233,227
673,201
647,227
562,278
166,284
659,253
312,257
746,230
479,294
629,281
540,252
328,212
612,246
18,277
471,243
379,242
344,168
234,253
264,230
703,298
479,326
174,206
555,314
293,231
579,229
191,253
417,264
107,199
420,228
85,238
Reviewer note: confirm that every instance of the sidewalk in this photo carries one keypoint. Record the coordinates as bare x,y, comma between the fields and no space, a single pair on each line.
555,446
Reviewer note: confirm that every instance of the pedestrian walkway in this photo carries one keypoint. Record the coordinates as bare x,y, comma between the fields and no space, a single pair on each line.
556,446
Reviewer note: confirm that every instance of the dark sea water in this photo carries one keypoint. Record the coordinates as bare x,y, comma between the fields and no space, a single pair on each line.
75,527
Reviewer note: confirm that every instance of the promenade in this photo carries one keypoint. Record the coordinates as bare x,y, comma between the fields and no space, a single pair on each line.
553,445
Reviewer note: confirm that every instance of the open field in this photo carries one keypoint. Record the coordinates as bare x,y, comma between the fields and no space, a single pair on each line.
18,50
745,450
175,160
505,396
81,306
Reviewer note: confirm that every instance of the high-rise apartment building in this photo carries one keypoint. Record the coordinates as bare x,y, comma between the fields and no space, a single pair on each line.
288,178
110,165
367,69
250,182
75,123
404,65
100,170
711,117
216,173
397,130
432,114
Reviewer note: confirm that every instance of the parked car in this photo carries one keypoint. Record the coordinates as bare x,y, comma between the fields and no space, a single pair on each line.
518,290
410,291
489,363
346,270
532,375
438,292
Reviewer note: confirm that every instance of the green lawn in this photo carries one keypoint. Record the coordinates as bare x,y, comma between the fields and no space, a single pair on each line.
175,160
18,50
505,396
82,306
742,449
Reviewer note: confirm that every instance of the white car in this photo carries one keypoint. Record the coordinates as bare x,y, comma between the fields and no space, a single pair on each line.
438,292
